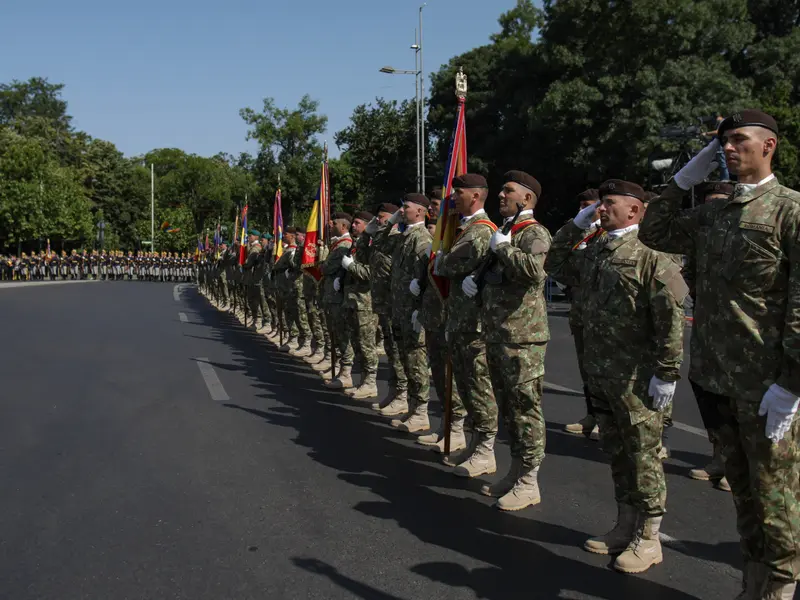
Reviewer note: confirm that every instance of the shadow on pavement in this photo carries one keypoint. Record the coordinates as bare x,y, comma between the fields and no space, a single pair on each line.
421,495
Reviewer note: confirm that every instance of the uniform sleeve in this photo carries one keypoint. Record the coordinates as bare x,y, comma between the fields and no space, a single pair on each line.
466,255
360,270
789,377
525,263
563,263
665,226
667,293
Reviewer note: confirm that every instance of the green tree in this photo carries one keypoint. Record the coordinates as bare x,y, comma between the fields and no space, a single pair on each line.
291,136
381,147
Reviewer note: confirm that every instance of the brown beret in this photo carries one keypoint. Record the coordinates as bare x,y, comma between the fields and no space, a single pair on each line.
343,216
590,195
420,199
290,229
522,178
388,207
748,118
364,216
619,187
300,229
435,193
470,181
716,187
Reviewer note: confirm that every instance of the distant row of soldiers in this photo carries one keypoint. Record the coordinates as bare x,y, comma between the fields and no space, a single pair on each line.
741,255
113,265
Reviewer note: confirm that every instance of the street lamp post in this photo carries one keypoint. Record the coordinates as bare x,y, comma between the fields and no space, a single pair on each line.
419,85
393,71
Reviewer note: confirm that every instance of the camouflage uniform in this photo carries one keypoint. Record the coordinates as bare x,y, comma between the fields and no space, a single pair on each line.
515,329
467,348
746,336
358,306
380,263
631,300
310,294
333,301
409,261
252,280
287,293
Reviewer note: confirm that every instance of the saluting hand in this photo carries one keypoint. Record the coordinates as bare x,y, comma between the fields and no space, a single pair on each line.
700,167
585,216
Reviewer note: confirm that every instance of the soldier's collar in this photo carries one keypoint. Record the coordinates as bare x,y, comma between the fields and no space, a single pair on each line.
747,193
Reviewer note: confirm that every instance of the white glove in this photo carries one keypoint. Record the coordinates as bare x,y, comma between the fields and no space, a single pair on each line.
662,392
372,226
499,238
286,273
585,216
700,167
337,286
396,217
414,287
347,261
446,336
469,286
437,261
415,322
780,406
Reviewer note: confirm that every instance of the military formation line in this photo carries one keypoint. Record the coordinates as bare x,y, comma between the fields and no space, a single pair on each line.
631,260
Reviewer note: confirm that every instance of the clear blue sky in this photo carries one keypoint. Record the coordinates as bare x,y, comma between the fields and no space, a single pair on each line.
174,73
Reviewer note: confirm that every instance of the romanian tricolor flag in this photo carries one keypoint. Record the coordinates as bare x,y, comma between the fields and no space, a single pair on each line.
315,230
277,221
449,219
243,239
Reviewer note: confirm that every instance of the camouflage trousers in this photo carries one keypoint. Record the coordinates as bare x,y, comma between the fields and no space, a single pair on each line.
340,334
765,481
411,346
577,337
223,287
286,321
361,324
471,376
437,355
631,434
297,317
254,302
517,373
314,321
397,374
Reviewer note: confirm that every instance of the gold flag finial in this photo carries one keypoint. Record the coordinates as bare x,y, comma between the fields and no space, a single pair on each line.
461,83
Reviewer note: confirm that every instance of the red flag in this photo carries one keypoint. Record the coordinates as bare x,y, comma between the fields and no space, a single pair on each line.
448,217
243,241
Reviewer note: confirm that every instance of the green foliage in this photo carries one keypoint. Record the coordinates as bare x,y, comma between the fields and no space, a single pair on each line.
289,147
381,148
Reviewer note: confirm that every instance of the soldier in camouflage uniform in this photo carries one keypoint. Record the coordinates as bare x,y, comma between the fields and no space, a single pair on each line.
287,277
358,307
323,364
515,329
384,238
745,354
467,348
252,276
264,266
297,299
588,425
310,305
409,261
333,301
632,308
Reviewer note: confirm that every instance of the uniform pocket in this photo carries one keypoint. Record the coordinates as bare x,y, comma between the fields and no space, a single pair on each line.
749,266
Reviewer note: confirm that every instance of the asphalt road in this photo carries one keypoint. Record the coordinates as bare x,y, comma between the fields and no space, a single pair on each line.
124,478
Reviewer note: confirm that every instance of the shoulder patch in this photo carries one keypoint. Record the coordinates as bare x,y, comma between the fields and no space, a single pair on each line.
672,279
757,227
